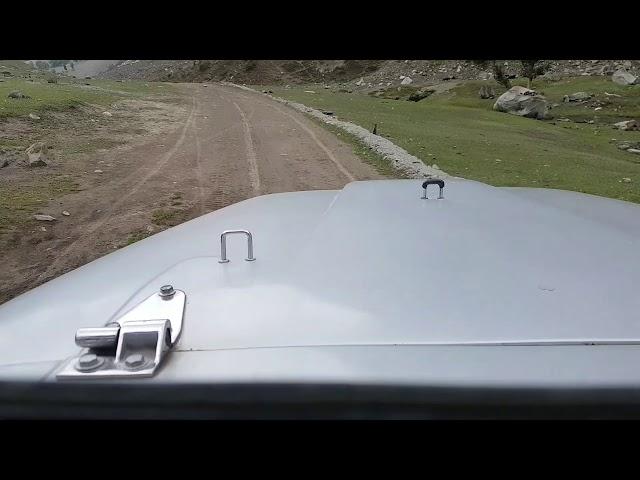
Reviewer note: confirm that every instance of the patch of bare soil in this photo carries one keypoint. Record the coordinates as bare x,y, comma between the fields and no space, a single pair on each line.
87,167
150,165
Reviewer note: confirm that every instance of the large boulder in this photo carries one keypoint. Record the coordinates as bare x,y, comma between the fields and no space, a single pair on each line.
523,102
622,77
37,155
627,125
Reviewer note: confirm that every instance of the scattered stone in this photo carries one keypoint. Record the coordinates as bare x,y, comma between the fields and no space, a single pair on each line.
634,150
421,94
44,218
597,108
577,97
487,92
622,77
612,94
43,229
37,155
17,94
626,180
327,112
627,125
65,213
97,171
523,102
107,114
406,81
33,116
309,91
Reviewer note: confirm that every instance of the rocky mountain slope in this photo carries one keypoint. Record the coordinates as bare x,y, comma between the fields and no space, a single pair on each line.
358,74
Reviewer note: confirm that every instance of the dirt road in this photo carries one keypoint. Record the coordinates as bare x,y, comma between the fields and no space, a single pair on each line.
228,145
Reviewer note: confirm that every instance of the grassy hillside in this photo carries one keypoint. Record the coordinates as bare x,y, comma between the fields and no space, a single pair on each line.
67,94
461,134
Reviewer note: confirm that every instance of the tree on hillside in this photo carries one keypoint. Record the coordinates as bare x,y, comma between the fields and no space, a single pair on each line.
498,71
532,69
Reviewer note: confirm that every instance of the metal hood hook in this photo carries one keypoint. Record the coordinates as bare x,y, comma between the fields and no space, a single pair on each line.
223,245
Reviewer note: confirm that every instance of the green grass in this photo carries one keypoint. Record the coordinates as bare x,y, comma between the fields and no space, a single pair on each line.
18,203
136,237
167,218
69,93
614,109
460,133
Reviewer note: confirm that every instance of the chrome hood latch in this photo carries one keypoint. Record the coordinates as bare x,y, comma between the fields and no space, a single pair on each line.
132,346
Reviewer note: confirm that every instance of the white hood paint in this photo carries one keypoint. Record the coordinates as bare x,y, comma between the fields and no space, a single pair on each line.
373,268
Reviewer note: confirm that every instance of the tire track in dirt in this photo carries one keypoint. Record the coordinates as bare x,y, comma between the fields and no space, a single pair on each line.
199,171
324,148
311,134
254,174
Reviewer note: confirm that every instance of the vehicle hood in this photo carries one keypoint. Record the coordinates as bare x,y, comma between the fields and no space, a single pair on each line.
370,266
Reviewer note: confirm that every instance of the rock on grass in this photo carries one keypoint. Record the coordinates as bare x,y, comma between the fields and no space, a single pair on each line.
44,218
37,154
523,102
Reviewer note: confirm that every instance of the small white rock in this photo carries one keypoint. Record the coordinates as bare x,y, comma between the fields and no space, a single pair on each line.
44,218
65,213
33,116
97,171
